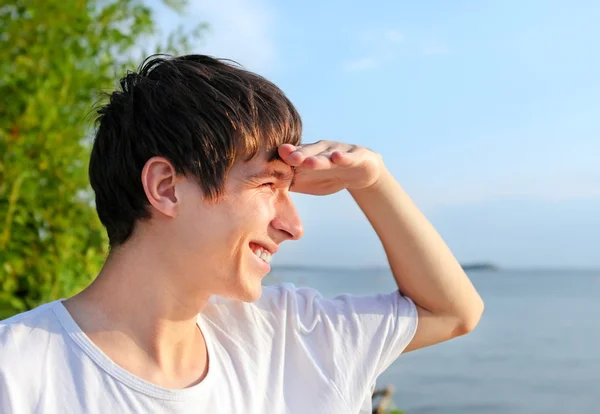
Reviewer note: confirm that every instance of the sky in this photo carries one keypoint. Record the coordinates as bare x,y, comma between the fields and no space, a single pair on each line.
487,114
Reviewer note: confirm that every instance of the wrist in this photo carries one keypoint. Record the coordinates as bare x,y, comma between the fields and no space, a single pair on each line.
383,180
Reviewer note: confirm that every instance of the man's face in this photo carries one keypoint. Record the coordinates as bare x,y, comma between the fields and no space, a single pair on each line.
228,243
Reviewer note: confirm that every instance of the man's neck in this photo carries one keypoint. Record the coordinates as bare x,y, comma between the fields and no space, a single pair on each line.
140,321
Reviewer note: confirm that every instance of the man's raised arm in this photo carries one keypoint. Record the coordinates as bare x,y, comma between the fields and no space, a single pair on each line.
424,267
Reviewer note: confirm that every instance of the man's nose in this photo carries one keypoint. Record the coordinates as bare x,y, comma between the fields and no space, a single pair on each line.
287,219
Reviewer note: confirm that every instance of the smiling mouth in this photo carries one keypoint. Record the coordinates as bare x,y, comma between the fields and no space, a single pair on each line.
261,253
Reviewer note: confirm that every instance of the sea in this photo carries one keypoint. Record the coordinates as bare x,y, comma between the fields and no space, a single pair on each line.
535,350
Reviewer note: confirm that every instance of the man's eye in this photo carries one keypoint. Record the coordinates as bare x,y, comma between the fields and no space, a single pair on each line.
272,185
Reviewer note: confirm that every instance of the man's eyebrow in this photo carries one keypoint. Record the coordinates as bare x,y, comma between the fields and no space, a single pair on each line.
271,172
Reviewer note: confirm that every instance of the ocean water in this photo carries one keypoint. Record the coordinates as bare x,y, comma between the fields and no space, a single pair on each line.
536,349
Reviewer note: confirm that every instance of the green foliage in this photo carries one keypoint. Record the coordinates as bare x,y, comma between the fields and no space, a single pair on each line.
56,58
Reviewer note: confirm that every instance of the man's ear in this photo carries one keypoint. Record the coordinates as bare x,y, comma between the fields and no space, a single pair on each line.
159,179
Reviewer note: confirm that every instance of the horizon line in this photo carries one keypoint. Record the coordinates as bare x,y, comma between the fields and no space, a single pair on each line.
496,267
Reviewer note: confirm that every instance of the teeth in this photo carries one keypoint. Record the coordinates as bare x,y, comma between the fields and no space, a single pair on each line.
263,254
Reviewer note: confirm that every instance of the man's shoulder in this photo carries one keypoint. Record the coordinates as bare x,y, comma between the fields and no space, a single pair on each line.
281,294
25,331
269,311
32,318
274,298
271,296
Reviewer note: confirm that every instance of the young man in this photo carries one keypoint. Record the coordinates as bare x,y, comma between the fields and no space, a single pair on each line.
192,166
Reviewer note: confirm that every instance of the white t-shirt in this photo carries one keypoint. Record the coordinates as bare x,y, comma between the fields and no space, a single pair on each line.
292,351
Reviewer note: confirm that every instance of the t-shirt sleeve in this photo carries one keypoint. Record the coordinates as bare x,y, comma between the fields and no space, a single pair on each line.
353,338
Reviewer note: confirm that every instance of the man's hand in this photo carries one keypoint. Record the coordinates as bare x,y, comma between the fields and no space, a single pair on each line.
327,167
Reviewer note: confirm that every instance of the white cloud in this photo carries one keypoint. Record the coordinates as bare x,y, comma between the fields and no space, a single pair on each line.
361,65
380,47
434,48
394,36
476,191
518,163
241,30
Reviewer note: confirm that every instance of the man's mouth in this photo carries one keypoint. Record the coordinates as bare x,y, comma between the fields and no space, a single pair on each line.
261,252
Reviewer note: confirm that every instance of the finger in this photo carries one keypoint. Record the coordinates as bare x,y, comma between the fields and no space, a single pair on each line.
314,148
286,153
290,155
294,159
298,156
316,162
285,150
343,159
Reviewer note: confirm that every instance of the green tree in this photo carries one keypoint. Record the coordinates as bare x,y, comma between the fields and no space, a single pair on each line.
57,57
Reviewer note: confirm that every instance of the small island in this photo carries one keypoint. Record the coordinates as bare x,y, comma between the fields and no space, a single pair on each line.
479,266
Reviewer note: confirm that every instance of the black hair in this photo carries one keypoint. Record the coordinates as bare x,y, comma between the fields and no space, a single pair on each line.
202,114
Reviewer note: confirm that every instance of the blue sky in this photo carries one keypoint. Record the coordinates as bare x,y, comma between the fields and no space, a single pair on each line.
487,113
